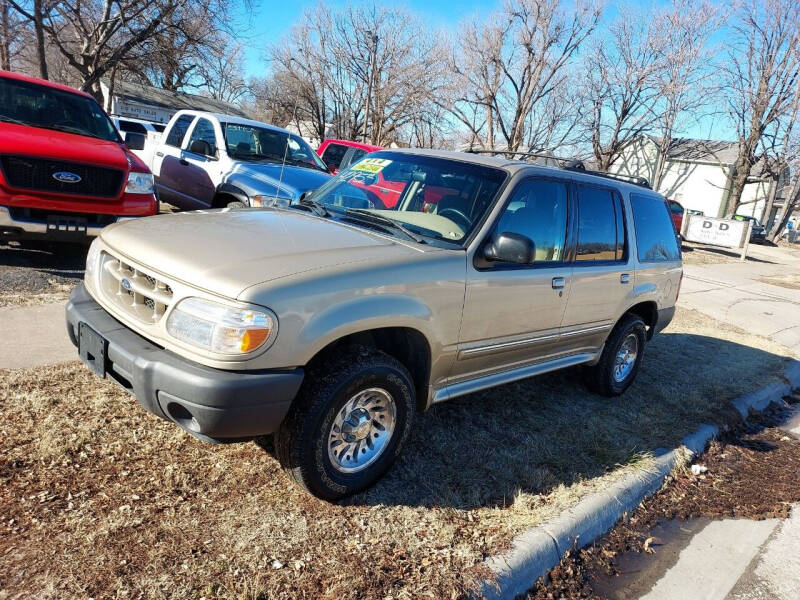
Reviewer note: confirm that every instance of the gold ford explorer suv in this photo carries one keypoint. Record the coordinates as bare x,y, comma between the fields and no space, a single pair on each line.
411,278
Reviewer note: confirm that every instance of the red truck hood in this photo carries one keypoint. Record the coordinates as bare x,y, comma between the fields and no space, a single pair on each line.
58,145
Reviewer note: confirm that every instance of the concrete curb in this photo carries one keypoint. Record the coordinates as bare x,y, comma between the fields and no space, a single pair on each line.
539,549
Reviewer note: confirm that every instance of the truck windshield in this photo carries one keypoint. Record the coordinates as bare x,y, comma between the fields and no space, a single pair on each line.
250,142
433,197
34,105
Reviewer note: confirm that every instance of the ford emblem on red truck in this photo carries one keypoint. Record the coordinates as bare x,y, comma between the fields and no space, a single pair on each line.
66,177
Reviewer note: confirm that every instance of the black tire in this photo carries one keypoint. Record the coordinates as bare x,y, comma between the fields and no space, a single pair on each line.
301,442
600,378
236,204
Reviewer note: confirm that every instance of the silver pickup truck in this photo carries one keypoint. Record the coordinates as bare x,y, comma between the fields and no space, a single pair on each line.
330,324
204,160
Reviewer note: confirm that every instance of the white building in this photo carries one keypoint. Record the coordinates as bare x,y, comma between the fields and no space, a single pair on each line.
698,174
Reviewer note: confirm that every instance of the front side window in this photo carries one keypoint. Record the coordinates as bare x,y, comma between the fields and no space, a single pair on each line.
178,130
538,210
333,155
439,198
261,144
655,235
25,103
597,225
204,131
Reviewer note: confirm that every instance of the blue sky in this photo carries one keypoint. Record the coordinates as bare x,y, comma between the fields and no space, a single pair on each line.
272,19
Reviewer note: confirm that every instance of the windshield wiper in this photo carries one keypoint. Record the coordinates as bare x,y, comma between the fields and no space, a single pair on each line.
366,215
12,120
318,208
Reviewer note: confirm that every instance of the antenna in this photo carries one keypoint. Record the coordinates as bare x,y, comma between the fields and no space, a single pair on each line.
286,148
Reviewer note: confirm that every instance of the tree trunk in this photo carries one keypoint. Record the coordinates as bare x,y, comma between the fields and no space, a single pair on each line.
5,37
773,191
791,203
741,173
38,27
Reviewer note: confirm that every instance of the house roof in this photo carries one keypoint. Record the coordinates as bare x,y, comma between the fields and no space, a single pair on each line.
146,94
713,151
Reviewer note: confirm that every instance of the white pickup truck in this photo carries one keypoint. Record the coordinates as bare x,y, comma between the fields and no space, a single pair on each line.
207,160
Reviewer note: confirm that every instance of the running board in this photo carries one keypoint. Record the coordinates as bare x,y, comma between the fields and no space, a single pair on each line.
450,391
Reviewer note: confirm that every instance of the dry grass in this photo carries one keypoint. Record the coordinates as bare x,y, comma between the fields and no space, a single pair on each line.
100,499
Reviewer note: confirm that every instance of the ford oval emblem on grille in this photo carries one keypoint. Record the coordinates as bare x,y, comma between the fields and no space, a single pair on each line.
66,177
126,284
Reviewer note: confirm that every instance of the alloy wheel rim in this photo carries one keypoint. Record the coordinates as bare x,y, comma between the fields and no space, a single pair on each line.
362,430
626,358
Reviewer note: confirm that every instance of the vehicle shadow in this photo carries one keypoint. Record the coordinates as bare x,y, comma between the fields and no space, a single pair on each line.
536,436
39,268
722,252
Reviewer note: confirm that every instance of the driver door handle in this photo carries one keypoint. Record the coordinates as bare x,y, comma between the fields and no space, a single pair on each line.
159,154
558,283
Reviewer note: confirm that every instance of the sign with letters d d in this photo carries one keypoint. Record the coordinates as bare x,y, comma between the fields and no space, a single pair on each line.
716,232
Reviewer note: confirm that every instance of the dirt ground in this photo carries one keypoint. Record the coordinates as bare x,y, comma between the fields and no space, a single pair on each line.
99,499
752,474
698,254
39,274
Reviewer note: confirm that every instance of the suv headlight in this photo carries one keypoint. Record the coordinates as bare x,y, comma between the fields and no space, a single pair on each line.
140,183
220,328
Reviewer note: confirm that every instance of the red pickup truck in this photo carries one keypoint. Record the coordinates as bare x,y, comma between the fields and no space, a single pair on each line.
65,173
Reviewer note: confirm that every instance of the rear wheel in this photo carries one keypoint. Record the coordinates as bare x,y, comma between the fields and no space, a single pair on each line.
622,355
348,423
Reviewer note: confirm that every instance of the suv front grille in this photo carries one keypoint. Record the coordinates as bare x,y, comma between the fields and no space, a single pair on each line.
27,173
135,292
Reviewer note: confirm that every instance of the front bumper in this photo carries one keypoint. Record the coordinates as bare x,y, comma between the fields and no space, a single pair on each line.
39,229
211,404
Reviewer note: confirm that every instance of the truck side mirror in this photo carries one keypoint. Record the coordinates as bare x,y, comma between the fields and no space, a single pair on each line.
510,247
133,140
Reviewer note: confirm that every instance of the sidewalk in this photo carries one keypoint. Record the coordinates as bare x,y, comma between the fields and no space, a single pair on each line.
746,294
32,336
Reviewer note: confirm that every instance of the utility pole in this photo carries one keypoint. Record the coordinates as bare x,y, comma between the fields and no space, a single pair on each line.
372,58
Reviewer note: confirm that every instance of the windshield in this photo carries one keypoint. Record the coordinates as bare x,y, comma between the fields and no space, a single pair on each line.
249,142
437,198
41,106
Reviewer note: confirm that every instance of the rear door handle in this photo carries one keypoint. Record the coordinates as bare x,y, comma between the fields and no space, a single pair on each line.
159,154
625,278
558,283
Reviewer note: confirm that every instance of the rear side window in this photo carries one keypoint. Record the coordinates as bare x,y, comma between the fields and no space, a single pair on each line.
655,235
333,155
356,155
600,235
132,126
178,130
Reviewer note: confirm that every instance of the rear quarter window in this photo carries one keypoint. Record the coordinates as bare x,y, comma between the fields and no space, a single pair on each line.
333,155
655,234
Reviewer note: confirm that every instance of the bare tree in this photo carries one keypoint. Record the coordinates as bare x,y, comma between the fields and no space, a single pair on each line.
331,59
94,36
511,72
682,79
11,36
622,87
760,78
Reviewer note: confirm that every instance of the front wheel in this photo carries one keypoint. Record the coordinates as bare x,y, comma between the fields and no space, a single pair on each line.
347,424
621,358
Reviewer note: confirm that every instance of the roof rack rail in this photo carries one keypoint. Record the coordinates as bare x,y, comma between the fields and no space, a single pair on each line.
569,164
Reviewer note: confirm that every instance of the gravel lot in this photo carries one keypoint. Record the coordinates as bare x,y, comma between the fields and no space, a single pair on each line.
100,499
39,274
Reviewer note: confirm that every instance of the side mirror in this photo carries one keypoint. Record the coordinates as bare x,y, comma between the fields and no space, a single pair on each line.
133,140
201,147
510,247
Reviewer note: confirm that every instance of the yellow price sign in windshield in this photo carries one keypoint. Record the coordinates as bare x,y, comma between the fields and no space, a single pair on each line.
371,165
